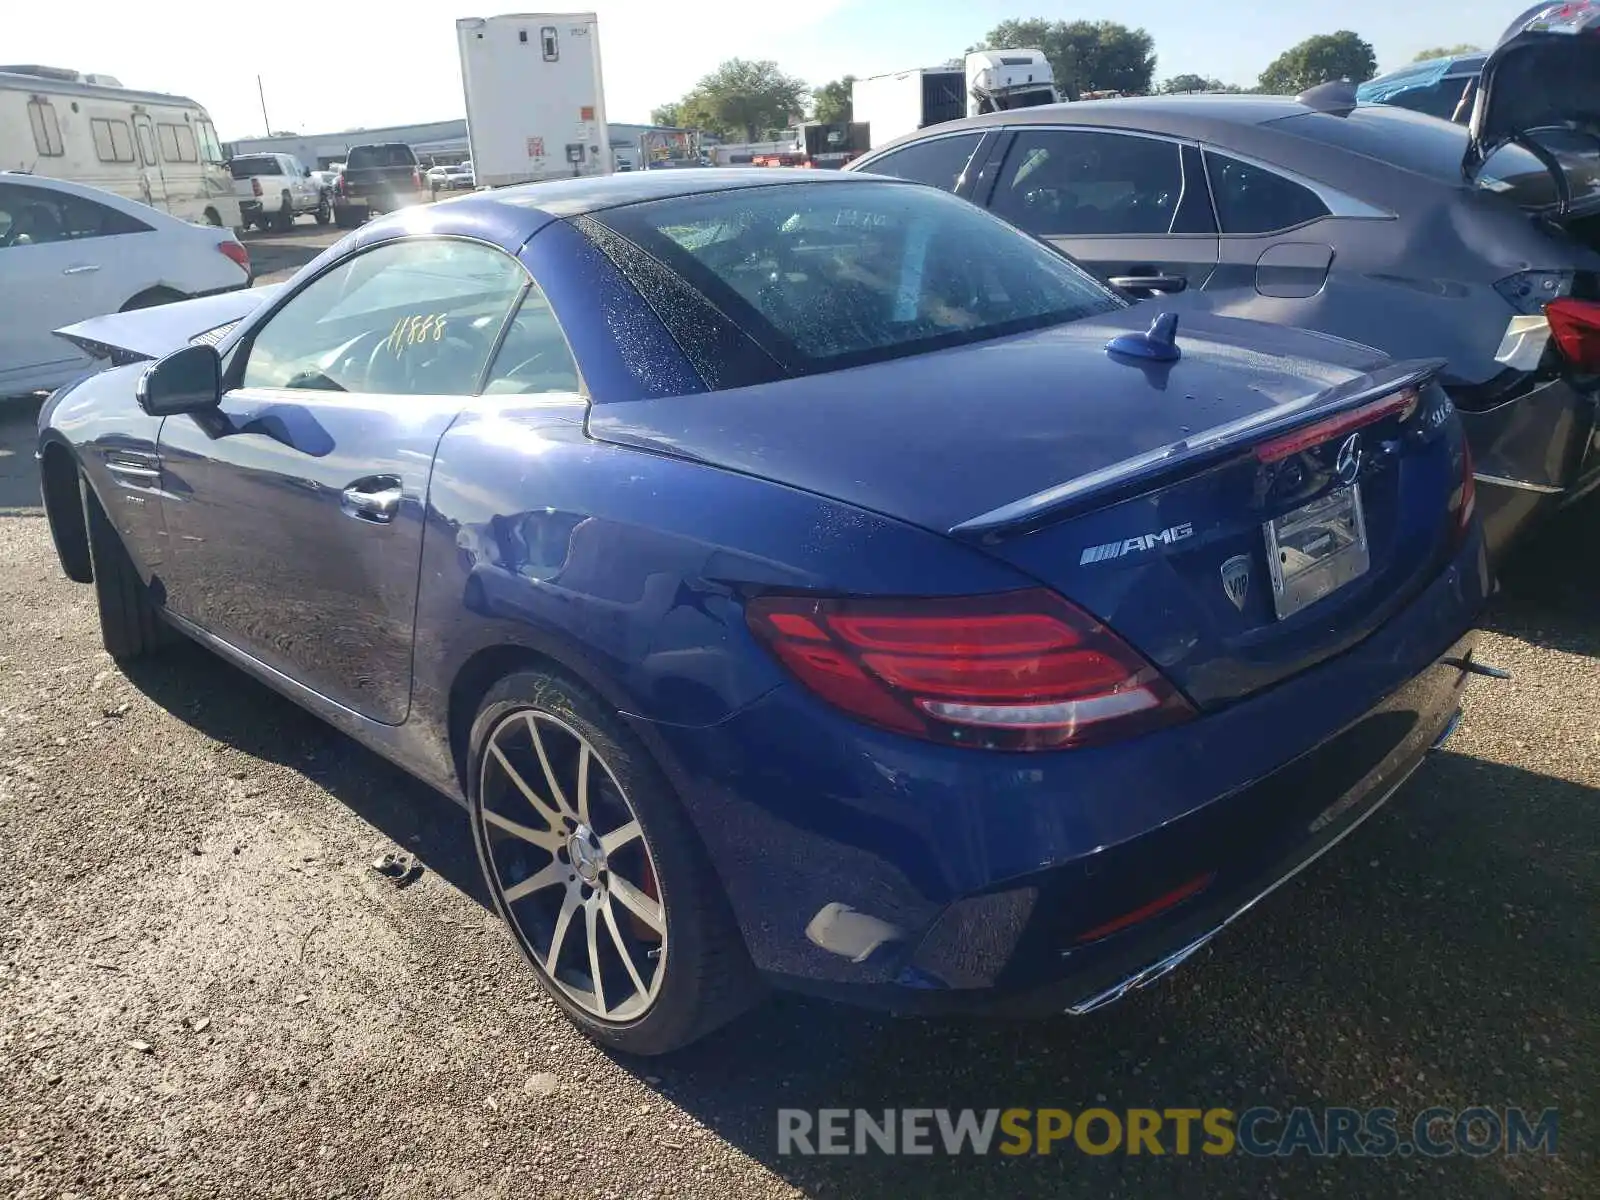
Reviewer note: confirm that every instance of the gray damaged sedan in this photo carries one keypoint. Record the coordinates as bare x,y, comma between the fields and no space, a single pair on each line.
1479,244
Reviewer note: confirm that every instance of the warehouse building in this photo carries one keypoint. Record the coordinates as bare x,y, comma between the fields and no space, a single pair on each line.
434,142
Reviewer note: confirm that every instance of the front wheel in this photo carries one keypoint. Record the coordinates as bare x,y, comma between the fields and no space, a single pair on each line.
598,872
129,626
324,213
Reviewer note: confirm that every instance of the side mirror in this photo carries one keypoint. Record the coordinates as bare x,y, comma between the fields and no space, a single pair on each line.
185,381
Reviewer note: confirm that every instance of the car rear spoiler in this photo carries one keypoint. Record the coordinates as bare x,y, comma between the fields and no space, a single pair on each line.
1152,469
148,333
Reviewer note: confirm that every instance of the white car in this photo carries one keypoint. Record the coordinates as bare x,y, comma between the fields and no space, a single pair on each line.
69,252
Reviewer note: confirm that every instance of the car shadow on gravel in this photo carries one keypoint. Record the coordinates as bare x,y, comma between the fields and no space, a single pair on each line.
1435,958
229,706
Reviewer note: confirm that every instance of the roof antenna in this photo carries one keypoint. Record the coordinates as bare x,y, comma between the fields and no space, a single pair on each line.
1158,344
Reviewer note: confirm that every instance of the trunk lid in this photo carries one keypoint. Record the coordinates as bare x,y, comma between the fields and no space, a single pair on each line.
1132,488
1543,75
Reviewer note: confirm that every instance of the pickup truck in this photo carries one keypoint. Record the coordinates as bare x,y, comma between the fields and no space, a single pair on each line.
377,179
274,189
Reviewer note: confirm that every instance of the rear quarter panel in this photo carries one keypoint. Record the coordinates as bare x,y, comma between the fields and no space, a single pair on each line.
629,568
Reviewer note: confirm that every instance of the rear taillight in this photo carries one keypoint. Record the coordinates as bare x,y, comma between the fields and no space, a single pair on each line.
1402,404
416,178
1575,326
255,185
1018,671
338,186
238,253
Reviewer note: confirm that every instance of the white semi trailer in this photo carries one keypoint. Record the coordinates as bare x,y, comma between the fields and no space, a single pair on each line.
986,81
535,98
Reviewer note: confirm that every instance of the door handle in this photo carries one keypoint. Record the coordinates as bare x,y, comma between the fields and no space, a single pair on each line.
1149,283
82,269
375,499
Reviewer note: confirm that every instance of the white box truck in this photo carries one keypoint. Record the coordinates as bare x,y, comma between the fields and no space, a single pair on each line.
986,81
535,102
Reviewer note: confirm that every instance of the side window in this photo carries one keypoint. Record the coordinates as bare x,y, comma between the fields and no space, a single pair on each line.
534,356
46,129
211,148
1251,199
113,140
1081,184
417,318
940,161
87,219
147,142
33,216
177,143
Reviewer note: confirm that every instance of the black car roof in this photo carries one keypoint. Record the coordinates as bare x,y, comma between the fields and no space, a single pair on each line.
575,197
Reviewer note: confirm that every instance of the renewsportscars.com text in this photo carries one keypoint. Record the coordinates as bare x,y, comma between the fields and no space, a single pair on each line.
1474,1132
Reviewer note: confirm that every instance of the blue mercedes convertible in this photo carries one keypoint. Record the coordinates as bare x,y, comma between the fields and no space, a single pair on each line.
803,579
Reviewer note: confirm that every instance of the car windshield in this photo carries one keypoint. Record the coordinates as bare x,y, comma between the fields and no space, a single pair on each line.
831,275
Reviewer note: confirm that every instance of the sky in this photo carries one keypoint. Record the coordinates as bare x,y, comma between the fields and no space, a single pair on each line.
364,63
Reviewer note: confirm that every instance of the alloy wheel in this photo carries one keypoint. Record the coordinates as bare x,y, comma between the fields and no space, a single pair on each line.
571,866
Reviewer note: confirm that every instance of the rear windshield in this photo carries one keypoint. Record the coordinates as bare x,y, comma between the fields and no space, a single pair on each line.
244,168
381,156
836,274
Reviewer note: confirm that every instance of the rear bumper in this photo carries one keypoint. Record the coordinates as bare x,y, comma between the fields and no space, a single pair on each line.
1533,454
973,881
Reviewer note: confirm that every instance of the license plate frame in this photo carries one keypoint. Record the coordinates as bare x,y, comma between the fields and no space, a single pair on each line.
1316,549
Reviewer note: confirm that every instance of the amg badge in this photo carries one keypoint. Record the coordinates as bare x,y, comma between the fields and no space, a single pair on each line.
1236,579
1133,545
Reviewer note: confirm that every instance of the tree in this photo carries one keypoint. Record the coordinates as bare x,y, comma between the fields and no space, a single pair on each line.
1179,84
1446,52
832,101
1320,59
741,99
667,114
1086,56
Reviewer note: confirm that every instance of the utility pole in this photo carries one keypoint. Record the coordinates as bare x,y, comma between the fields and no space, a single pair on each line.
260,91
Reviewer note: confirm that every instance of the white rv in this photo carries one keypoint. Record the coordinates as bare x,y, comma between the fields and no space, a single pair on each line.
535,104
157,149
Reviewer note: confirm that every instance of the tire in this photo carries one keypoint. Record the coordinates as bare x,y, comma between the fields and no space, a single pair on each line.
129,626
213,218
637,885
345,217
283,219
324,214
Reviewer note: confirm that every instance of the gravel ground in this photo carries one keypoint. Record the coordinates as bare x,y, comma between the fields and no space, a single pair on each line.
276,256
205,990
